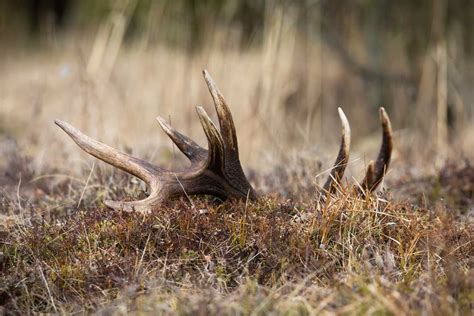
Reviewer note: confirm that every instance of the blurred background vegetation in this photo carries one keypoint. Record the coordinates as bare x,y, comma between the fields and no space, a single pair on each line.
189,23
290,63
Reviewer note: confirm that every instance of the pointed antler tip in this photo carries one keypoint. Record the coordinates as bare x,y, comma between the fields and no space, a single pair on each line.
206,75
340,111
110,203
161,120
345,123
342,115
210,84
200,109
164,125
65,126
204,117
384,119
59,123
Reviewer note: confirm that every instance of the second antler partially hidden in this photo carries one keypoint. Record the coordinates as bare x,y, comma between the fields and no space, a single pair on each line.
216,171
375,170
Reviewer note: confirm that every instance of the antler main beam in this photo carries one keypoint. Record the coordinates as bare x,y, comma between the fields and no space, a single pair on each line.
217,170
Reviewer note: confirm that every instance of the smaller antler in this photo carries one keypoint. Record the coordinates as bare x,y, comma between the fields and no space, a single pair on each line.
375,171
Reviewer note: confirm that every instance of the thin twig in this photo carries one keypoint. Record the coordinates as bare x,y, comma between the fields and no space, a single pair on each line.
47,288
143,255
185,193
87,183
18,194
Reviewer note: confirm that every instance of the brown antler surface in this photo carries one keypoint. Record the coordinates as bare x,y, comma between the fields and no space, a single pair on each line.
376,171
342,159
216,171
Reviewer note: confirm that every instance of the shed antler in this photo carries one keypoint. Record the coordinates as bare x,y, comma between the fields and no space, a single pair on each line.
375,171
216,171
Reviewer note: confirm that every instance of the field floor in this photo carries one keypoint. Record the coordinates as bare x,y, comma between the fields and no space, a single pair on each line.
407,250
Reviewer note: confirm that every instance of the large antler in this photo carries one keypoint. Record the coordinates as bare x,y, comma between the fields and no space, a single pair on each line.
375,171
216,171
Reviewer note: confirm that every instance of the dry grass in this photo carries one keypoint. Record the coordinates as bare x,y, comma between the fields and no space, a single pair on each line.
64,251
352,254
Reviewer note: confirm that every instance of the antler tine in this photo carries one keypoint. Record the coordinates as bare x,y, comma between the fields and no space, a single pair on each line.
215,160
342,159
112,156
142,206
376,172
193,151
226,122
